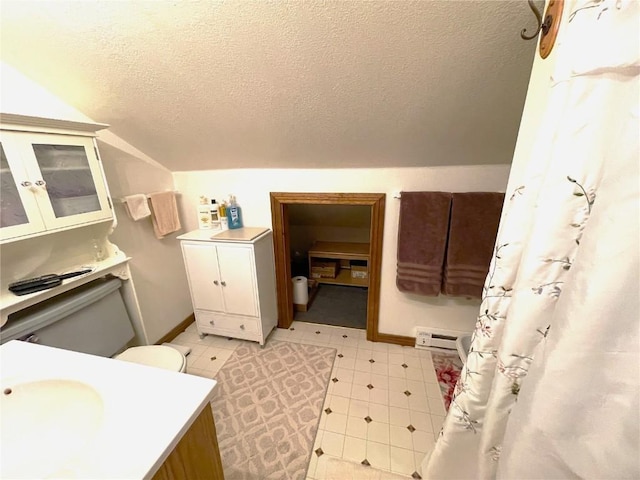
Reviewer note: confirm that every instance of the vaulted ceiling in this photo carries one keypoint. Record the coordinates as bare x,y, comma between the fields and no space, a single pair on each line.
293,84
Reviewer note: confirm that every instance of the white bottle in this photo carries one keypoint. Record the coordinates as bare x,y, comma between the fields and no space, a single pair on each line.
215,215
204,214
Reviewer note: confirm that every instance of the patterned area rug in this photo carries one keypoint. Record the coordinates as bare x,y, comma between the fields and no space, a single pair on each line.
448,368
267,408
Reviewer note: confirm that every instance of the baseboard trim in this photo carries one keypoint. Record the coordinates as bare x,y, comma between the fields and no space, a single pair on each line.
177,330
395,339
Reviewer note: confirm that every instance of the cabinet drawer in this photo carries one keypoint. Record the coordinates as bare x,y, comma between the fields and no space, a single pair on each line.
209,321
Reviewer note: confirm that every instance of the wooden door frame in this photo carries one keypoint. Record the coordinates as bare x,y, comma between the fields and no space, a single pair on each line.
281,243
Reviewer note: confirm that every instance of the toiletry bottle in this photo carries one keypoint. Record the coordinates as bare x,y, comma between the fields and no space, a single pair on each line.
234,213
204,214
215,215
224,221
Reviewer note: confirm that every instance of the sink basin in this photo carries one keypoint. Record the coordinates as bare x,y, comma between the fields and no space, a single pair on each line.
44,424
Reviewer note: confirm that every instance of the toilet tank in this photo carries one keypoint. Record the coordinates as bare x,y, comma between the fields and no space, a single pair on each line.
88,319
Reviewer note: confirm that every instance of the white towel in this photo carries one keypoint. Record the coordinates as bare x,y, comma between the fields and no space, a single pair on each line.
137,206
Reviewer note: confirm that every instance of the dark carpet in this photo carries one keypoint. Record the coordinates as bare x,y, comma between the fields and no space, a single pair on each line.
339,306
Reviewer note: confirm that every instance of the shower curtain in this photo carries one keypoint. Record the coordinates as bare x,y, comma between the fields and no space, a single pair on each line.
550,387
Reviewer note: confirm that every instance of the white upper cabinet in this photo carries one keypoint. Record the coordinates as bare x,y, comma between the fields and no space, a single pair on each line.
49,182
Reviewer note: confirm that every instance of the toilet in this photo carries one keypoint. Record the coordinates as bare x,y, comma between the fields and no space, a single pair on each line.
160,356
92,319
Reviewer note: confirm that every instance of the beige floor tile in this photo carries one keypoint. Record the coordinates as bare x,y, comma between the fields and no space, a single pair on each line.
380,368
344,375
339,404
341,389
421,421
336,423
399,417
361,378
402,461
355,449
379,413
358,408
398,399
378,455
400,437
357,427
378,432
332,443
360,392
362,366
379,396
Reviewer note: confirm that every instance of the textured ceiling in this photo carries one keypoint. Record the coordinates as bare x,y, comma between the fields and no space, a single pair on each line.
310,84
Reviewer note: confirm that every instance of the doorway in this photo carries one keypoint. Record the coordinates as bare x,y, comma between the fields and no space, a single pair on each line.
280,210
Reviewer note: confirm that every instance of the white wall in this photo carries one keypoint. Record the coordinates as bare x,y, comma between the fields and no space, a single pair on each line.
156,265
399,312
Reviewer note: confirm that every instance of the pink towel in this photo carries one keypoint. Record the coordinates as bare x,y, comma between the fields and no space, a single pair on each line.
164,213
472,235
422,239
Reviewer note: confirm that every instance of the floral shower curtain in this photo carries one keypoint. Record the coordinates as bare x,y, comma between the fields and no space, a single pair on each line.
550,387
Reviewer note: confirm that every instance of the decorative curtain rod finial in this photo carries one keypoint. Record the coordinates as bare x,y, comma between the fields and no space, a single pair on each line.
549,27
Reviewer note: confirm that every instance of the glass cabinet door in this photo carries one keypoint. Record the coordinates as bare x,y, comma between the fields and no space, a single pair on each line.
19,214
13,212
67,174
67,177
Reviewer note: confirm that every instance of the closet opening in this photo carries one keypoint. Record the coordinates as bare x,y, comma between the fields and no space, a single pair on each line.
334,241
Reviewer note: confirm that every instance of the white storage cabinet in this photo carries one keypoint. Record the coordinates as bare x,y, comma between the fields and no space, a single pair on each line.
232,282
51,178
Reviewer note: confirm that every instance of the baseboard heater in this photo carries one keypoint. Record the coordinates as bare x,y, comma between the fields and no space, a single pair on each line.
433,339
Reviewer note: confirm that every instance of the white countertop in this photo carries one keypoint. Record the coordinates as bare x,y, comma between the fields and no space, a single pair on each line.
245,234
146,410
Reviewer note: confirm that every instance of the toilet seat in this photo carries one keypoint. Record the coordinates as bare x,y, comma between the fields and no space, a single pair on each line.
158,356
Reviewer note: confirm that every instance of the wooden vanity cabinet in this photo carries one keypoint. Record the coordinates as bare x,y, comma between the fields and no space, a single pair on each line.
197,454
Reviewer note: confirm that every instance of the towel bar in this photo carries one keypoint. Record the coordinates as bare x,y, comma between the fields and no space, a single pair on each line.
121,199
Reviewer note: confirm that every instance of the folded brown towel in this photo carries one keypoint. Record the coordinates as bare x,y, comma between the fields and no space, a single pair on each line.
422,240
164,213
472,234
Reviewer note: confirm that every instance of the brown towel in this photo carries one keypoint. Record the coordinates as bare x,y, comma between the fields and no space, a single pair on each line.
472,234
164,213
422,239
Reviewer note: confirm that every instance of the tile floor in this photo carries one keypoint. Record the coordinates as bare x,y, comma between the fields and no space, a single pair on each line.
383,405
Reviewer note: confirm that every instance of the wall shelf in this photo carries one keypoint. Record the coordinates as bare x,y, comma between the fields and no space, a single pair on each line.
340,251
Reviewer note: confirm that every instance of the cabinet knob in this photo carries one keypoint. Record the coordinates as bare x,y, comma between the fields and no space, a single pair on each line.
215,282
26,183
224,284
241,327
211,322
41,183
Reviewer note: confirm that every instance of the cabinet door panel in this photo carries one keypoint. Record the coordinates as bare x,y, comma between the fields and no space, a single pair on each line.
19,213
66,170
237,278
202,272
